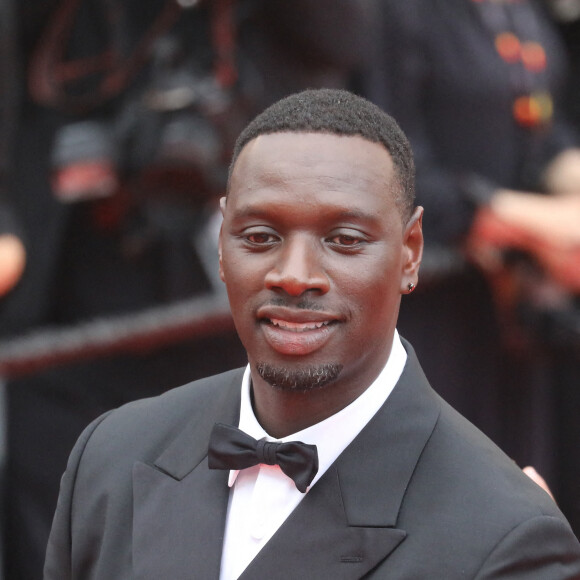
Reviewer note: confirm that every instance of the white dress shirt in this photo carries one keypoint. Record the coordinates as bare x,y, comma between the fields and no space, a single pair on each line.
262,497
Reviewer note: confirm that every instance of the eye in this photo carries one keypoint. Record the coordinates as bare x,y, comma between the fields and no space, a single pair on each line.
346,240
260,237
349,240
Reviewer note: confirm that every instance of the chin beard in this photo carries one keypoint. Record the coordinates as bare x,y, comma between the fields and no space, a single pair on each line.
299,380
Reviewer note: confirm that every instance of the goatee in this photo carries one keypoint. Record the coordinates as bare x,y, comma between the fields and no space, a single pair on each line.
299,380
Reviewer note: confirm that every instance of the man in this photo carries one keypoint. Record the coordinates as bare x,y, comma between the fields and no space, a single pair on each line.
319,242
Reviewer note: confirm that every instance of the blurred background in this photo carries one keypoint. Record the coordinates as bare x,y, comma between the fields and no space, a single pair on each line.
117,119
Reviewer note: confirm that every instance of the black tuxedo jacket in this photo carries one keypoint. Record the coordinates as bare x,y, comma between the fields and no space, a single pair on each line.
420,493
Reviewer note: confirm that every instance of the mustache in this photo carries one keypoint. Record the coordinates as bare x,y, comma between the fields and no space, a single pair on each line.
302,304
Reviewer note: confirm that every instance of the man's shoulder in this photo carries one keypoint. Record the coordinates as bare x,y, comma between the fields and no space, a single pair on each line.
142,428
475,498
462,468
473,472
179,399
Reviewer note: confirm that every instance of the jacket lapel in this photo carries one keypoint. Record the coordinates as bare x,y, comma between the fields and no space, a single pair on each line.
346,525
180,504
317,541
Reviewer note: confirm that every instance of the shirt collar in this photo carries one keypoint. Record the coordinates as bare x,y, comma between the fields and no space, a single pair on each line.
335,433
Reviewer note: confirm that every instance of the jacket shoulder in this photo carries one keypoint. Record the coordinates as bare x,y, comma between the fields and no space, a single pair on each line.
141,429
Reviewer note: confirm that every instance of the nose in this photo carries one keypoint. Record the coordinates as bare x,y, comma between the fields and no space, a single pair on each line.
298,268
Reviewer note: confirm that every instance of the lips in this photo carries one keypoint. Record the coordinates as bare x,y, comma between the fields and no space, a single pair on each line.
296,333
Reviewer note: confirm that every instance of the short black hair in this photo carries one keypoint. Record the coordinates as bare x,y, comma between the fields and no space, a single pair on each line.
338,112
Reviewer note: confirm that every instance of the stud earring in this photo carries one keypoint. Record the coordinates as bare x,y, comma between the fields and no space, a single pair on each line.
411,287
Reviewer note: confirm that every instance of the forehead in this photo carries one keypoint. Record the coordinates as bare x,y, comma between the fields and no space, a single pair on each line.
314,165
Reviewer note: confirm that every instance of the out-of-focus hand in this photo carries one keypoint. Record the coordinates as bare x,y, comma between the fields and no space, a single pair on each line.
544,226
535,476
553,219
12,261
562,176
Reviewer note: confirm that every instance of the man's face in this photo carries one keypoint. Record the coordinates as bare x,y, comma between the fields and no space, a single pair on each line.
315,257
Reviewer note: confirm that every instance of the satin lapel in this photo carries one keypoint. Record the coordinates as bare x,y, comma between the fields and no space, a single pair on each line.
375,470
179,503
346,525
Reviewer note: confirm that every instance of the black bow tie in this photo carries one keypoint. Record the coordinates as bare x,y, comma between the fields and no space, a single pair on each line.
231,448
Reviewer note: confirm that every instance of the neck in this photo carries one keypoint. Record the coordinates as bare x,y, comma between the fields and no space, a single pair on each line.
282,413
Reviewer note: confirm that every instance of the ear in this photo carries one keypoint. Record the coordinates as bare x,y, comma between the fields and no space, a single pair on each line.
412,251
223,210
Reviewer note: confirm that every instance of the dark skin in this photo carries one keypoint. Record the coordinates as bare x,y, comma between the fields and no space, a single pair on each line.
315,255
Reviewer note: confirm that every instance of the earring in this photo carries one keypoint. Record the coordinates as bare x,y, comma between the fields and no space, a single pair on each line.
411,287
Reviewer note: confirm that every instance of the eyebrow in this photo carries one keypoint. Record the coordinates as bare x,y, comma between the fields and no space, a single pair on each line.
260,212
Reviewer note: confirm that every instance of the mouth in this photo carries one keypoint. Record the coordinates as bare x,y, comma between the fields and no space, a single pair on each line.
297,333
